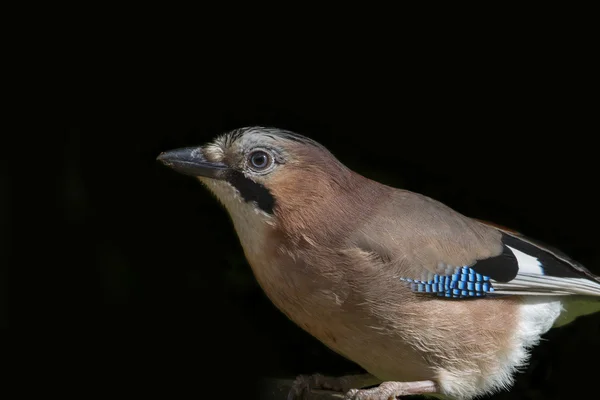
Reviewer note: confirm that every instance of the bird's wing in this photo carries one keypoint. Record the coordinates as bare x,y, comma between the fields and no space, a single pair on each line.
525,267
436,250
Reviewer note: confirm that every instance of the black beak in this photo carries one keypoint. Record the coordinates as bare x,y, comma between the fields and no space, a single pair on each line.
191,161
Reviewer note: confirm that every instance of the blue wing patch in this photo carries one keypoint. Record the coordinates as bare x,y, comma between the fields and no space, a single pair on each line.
463,283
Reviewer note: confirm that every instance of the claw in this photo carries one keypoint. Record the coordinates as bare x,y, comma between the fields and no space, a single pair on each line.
391,390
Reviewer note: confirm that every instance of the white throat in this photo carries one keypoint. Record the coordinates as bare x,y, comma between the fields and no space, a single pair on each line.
250,222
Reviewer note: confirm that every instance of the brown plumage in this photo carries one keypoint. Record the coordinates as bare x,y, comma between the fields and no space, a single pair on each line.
333,251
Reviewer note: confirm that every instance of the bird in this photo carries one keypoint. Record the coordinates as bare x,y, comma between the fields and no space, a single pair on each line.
425,299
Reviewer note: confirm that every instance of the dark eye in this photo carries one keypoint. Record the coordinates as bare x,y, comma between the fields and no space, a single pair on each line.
260,159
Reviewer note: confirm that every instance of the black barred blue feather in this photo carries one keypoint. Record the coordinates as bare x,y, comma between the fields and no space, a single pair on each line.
463,283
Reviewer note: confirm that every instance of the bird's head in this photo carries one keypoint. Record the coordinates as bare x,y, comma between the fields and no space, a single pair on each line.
271,176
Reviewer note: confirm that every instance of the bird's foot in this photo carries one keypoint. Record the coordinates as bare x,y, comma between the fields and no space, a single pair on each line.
305,384
391,390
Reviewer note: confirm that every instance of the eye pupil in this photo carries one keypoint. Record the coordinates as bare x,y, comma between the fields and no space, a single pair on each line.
260,159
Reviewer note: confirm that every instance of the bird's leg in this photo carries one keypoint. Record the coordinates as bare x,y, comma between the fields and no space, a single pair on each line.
305,383
391,390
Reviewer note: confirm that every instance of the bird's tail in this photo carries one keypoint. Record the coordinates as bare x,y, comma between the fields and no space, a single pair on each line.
577,306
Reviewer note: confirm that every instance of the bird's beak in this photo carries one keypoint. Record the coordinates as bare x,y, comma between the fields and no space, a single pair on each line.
191,161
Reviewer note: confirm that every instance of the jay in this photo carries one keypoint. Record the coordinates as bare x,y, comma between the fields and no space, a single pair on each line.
425,299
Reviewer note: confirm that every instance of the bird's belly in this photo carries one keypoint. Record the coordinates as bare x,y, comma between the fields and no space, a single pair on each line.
422,343
386,357
468,347
359,337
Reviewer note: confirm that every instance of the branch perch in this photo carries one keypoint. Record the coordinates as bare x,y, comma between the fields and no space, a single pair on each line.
278,389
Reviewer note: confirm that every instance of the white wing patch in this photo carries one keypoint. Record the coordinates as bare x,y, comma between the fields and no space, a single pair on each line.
527,263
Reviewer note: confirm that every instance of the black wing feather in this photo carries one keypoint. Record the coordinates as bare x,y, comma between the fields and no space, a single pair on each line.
502,268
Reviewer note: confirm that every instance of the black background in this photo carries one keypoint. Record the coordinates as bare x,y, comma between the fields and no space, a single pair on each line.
148,288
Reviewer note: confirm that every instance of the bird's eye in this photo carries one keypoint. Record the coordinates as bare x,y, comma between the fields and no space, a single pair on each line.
260,160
